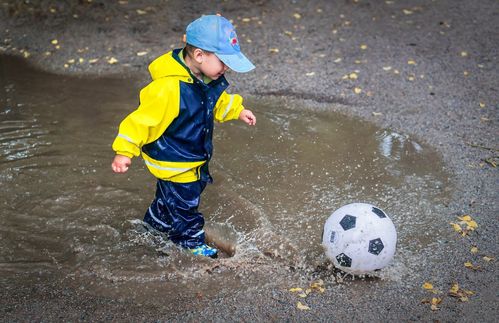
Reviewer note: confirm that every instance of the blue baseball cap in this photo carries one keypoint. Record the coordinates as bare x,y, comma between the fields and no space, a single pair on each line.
216,34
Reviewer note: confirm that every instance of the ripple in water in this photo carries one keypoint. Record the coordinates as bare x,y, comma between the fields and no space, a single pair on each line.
67,215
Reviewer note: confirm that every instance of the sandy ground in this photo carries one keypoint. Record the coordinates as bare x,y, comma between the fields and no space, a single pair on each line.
425,68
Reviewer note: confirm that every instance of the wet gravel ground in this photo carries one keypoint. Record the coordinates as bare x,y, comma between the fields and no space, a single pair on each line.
424,68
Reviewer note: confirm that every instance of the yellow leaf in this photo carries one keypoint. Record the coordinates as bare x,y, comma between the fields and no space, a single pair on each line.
411,62
302,307
387,68
474,249
310,74
487,258
463,298
469,265
303,295
363,47
274,50
317,284
142,53
472,225
456,227
295,289
464,54
297,16
357,90
141,12
408,12
434,307
469,292
482,105
112,60
427,286
454,289
246,20
436,300
465,218
352,76
54,42
93,60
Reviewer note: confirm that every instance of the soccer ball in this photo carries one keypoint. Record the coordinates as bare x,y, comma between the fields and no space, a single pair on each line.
359,238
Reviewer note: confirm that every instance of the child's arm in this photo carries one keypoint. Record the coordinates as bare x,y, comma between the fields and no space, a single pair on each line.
121,163
248,117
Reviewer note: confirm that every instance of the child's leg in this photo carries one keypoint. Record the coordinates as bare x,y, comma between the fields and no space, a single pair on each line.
175,211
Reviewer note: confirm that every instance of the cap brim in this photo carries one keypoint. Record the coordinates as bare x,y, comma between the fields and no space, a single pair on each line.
237,62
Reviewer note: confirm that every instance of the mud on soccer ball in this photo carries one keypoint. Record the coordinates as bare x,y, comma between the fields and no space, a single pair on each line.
359,238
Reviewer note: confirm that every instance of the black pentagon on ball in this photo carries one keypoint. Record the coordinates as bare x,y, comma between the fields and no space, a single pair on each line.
333,235
379,213
344,260
348,222
375,246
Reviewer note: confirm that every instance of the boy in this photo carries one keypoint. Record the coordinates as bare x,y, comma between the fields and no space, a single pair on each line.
172,127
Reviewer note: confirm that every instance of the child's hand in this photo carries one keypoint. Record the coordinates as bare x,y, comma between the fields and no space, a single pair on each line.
121,163
248,117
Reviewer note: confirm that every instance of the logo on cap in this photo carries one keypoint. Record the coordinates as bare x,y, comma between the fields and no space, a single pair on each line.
233,41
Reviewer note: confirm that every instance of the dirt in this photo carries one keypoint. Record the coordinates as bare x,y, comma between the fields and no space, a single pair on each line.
425,68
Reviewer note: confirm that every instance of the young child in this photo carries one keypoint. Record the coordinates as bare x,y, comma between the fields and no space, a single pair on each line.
172,127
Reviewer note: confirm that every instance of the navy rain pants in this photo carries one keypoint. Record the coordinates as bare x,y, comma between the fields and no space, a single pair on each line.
174,211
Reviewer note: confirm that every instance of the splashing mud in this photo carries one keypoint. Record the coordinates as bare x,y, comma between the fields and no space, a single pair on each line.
65,214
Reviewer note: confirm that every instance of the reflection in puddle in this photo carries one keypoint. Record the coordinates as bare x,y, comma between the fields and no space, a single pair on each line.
65,214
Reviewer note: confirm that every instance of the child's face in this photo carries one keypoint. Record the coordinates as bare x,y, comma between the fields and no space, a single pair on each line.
212,66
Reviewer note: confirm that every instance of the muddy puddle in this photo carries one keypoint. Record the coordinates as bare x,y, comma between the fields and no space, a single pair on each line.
65,215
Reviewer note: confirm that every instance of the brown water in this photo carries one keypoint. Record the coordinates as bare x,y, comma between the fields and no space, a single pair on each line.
66,215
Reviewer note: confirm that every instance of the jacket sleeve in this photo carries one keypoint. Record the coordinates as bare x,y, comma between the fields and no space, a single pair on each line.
159,105
228,107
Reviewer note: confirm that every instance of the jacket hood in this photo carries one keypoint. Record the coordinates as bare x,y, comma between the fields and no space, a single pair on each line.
165,66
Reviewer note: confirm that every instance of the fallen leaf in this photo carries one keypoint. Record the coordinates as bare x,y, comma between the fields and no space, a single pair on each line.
141,12
434,302
464,54
274,50
246,20
302,307
469,265
302,295
363,47
427,286
474,249
297,16
408,12
487,258
54,42
454,289
411,62
357,90
387,68
112,60
337,60
352,76
456,227
310,74
142,53
295,289
93,60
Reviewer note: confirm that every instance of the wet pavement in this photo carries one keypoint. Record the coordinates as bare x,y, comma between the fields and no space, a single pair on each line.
417,93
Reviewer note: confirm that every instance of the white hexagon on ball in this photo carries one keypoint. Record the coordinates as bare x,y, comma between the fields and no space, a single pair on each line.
359,238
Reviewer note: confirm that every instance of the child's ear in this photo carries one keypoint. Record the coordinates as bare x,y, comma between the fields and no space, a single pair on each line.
198,55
